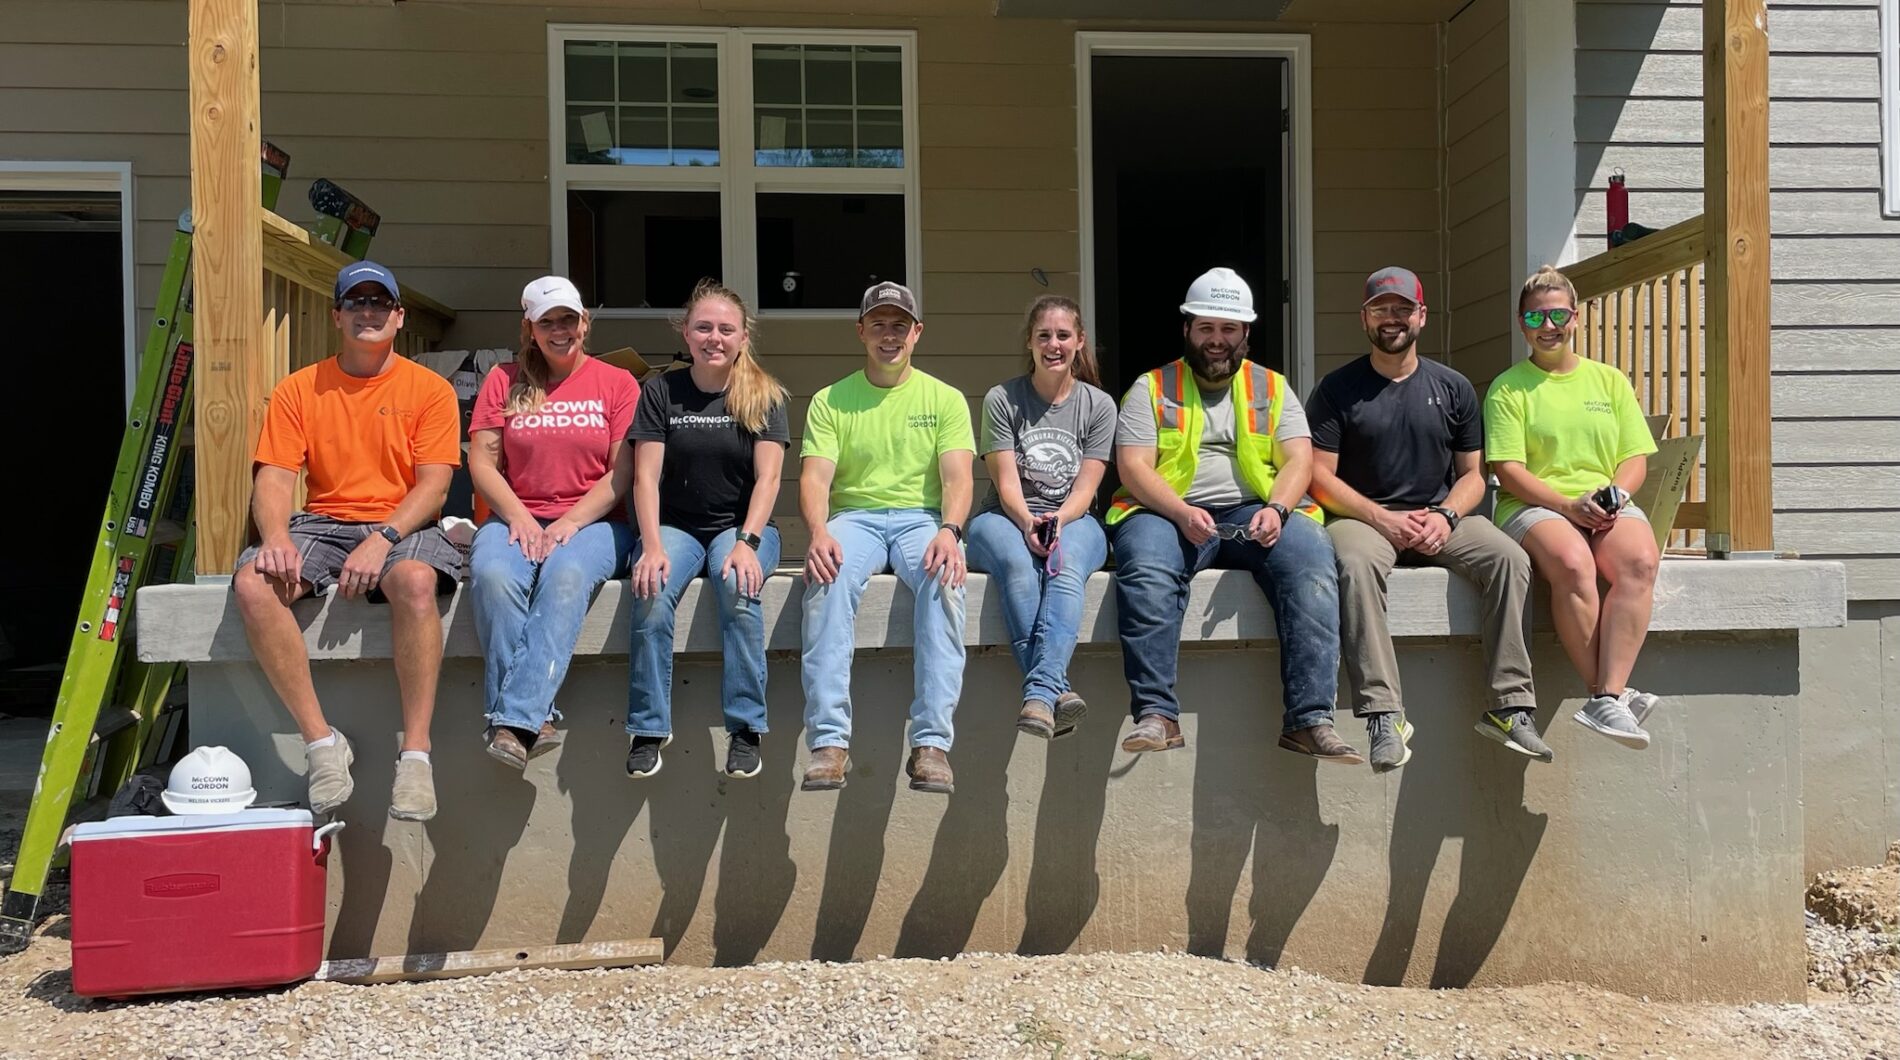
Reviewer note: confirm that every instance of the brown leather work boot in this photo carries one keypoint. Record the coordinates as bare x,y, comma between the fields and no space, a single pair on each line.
1069,710
1321,742
1154,732
546,740
929,770
1036,719
827,769
504,746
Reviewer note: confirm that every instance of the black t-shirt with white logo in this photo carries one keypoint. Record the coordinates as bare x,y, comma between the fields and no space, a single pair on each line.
707,477
1395,440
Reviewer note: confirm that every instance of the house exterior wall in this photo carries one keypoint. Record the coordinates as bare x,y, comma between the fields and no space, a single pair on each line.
1478,207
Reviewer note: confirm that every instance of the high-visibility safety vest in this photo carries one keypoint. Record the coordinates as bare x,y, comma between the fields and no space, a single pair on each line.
1258,395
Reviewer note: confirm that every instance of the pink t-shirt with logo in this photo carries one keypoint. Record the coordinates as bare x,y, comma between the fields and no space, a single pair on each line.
552,456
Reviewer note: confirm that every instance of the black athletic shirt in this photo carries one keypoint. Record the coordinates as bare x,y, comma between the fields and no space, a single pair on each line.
1395,440
706,479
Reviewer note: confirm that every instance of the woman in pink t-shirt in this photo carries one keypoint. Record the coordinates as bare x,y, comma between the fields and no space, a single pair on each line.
548,453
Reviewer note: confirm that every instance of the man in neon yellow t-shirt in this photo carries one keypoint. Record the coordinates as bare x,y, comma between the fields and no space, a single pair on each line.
885,485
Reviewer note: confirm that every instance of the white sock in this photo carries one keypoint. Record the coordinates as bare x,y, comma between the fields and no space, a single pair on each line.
413,756
327,741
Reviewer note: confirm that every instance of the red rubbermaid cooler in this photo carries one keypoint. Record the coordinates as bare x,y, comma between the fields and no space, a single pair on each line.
201,902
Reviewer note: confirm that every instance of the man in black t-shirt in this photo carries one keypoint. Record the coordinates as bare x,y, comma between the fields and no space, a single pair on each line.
1398,461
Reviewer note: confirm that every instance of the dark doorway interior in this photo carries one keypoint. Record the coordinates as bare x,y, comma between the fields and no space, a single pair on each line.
60,254
1188,173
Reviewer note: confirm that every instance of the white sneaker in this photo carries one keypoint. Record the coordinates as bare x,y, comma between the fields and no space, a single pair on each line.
1640,703
1611,717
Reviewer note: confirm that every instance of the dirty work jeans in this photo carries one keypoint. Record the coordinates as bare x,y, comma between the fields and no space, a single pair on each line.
741,634
1154,564
876,541
528,615
1043,611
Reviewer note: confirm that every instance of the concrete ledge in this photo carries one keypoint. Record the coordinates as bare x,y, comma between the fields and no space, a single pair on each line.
200,623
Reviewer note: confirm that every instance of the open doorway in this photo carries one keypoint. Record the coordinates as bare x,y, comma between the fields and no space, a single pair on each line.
1192,149
62,251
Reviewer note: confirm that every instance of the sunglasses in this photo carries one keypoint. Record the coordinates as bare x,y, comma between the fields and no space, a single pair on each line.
375,303
1534,318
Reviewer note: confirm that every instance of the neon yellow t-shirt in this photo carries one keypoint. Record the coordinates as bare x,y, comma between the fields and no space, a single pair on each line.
886,442
1570,430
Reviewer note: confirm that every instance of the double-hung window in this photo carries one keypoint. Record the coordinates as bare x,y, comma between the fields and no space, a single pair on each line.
783,163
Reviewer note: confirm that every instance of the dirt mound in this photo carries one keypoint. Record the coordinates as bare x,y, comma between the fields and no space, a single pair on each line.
1860,897
1854,928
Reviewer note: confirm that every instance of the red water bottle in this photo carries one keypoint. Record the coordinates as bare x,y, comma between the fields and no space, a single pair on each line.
1616,206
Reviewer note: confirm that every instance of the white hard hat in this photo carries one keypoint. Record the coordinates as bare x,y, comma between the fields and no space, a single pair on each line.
1220,293
209,780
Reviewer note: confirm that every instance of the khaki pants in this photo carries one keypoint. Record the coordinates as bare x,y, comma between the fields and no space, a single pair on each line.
1478,552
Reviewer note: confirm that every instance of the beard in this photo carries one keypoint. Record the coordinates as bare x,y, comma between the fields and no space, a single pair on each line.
1204,368
1397,344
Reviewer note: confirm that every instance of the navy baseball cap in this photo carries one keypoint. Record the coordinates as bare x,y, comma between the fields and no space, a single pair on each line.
1395,280
366,272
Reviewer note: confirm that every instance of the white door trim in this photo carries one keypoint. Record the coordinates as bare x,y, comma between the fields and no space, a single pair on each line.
111,177
1297,49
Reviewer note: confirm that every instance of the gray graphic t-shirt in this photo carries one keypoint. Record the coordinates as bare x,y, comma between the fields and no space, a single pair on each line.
1050,441
1217,481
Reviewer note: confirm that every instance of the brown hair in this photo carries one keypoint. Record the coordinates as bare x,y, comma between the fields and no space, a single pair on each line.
1084,367
1546,278
751,392
530,388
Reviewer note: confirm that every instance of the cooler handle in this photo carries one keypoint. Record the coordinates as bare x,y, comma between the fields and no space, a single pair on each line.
317,837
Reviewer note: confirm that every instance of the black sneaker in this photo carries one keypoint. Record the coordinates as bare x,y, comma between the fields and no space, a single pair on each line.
742,754
643,755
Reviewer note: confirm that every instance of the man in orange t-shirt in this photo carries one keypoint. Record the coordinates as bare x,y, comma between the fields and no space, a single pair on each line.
377,437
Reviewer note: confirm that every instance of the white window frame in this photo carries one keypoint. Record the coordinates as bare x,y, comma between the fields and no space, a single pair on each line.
737,180
1890,108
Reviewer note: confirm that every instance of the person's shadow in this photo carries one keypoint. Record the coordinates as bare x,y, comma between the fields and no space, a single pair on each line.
756,871
855,858
1064,884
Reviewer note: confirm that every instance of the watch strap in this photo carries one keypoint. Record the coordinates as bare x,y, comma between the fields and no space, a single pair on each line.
751,541
955,530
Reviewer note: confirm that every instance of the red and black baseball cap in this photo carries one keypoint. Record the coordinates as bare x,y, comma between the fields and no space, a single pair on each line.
1394,280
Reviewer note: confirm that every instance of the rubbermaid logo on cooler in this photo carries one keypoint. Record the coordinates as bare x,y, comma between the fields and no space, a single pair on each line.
183,885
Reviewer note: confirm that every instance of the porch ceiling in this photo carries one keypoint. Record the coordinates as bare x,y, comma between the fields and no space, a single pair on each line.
1236,10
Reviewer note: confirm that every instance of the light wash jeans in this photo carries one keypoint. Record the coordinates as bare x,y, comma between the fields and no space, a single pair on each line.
874,542
1043,611
741,631
528,615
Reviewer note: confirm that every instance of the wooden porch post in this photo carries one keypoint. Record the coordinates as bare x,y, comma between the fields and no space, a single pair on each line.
1735,207
227,270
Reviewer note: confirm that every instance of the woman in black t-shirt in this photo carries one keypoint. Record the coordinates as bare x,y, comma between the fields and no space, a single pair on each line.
709,443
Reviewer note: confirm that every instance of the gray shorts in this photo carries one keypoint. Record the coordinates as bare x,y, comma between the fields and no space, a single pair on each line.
1520,524
326,543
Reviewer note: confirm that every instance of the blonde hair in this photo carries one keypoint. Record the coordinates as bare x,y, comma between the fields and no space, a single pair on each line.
1546,278
530,388
1084,367
751,392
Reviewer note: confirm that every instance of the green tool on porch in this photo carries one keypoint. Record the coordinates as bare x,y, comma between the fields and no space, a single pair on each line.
107,705
343,220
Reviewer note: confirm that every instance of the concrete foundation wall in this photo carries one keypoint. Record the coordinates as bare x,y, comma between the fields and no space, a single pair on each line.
1675,872
1850,721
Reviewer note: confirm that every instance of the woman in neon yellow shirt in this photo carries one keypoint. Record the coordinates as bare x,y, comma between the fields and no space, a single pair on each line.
1567,441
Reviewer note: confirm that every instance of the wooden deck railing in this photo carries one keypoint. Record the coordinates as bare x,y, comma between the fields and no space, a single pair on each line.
1640,309
299,282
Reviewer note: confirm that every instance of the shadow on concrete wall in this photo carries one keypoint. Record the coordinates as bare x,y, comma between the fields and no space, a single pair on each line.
855,860
1064,886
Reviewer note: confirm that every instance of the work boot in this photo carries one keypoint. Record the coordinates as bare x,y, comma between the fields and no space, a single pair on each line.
827,769
412,797
1391,739
1321,742
329,774
1069,710
929,769
548,739
1154,732
505,746
1036,719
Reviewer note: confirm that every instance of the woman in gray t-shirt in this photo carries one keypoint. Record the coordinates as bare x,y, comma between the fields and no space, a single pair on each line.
1047,438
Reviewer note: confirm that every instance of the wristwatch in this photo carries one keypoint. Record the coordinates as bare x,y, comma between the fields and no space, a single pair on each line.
1451,517
390,534
1280,510
751,541
955,531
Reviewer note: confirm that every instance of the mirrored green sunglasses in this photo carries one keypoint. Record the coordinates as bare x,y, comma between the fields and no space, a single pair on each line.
1534,318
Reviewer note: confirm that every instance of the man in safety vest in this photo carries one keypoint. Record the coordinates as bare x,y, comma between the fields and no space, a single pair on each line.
1215,458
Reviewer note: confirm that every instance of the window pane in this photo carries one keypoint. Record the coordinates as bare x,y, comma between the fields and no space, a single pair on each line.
849,99
642,73
881,138
590,71
643,136
695,136
828,134
827,75
777,75
695,73
880,77
779,137
827,248
641,249
590,134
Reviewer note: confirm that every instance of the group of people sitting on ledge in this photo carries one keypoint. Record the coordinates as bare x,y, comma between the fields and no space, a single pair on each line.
588,476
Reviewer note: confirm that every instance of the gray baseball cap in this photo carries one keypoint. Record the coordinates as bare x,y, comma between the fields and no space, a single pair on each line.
1395,280
887,293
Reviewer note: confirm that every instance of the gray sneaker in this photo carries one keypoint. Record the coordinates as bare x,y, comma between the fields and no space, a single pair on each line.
1609,716
412,797
329,774
1515,729
1640,704
1391,737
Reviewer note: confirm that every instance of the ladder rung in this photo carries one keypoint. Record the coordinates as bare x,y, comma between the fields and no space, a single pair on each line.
168,532
114,720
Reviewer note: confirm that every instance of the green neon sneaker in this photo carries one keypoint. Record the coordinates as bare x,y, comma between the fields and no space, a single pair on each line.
1516,729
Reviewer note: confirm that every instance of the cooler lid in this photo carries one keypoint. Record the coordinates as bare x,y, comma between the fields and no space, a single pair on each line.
145,827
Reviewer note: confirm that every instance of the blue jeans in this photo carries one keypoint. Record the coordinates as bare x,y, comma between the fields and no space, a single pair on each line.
528,615
874,542
741,632
1155,563
1042,611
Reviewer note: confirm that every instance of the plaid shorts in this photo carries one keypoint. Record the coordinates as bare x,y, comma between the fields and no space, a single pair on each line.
326,543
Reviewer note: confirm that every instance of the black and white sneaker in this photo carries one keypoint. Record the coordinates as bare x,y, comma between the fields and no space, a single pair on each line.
742,754
643,755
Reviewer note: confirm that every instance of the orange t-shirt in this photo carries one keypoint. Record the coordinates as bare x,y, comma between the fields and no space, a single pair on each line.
360,439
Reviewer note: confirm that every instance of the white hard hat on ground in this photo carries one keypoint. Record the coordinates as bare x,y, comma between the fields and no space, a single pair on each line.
1220,293
209,780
